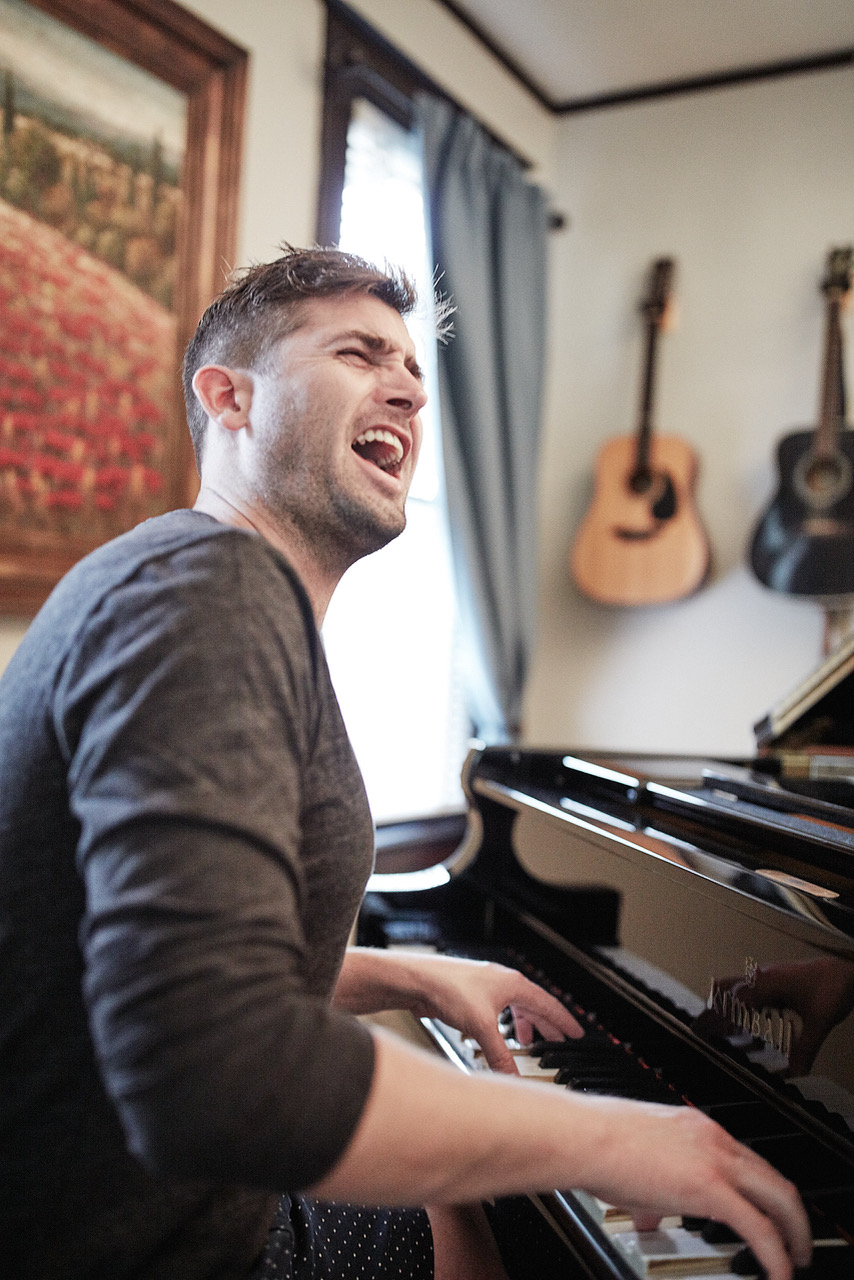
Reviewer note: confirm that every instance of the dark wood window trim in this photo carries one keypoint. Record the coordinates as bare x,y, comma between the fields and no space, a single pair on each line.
360,63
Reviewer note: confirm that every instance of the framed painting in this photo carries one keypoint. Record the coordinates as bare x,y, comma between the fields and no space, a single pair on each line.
119,167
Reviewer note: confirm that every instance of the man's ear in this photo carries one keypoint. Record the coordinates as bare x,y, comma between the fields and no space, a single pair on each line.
225,394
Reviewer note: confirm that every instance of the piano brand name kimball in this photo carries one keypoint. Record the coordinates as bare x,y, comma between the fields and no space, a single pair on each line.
779,1028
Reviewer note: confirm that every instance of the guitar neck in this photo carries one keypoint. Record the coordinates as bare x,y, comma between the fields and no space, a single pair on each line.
832,385
644,431
654,310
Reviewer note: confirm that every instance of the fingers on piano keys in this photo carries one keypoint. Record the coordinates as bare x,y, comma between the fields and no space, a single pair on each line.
680,1248
688,1248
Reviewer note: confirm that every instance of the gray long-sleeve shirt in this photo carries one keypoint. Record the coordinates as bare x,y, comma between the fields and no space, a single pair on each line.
184,840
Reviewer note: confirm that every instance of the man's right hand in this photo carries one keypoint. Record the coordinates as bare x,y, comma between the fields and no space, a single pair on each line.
654,1161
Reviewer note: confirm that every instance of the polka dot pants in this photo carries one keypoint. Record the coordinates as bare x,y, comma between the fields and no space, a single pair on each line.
313,1240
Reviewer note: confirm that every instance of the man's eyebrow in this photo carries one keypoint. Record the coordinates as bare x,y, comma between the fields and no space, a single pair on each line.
382,346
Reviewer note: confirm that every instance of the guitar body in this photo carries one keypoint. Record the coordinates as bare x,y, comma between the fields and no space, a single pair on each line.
804,543
642,548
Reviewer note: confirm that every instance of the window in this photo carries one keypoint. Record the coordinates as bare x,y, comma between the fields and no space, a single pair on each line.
390,633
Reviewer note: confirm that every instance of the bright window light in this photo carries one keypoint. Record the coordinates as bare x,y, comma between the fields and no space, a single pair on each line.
390,633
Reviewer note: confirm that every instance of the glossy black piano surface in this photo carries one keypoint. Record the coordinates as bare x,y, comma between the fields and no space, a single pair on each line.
698,915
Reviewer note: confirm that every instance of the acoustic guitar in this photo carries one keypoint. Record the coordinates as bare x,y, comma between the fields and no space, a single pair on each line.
641,541
804,542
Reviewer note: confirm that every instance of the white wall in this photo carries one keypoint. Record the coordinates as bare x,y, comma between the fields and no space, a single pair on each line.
747,187
281,159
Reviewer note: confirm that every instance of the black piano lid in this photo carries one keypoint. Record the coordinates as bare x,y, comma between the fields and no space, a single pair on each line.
797,794
748,887
727,819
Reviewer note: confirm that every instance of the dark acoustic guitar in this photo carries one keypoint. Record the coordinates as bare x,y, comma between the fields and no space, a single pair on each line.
804,543
641,542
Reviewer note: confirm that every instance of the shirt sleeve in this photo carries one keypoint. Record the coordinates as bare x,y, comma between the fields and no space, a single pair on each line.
187,711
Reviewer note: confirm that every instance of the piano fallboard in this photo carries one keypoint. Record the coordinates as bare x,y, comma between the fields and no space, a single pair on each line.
700,919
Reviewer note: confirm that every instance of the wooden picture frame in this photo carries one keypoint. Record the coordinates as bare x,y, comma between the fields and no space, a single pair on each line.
39,544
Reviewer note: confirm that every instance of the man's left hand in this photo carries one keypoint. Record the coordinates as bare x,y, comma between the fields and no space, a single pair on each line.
467,994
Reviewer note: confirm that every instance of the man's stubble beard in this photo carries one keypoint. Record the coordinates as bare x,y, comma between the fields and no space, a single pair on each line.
305,498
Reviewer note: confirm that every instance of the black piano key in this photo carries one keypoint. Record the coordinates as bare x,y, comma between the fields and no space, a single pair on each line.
572,1077
580,1074
821,1226
806,1163
707,1087
538,1047
592,1055
627,1092
718,1233
620,1076
750,1120
836,1207
744,1264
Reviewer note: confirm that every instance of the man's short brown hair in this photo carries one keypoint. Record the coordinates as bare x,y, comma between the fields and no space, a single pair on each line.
261,305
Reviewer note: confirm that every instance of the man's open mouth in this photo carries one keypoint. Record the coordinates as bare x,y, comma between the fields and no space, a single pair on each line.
381,447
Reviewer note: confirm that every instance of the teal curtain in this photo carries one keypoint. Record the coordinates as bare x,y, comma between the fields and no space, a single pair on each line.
489,227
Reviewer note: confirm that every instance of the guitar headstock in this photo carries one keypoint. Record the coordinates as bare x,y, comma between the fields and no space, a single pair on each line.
657,306
836,284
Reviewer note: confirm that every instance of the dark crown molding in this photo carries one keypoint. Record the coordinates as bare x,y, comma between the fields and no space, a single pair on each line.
643,93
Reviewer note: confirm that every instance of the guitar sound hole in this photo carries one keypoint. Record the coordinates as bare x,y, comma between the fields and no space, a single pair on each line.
823,477
658,488
640,481
821,482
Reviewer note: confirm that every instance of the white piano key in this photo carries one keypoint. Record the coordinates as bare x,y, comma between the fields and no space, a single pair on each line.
530,1068
674,1252
526,1065
611,1219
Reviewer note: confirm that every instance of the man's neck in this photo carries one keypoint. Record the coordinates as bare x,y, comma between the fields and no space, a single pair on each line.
319,581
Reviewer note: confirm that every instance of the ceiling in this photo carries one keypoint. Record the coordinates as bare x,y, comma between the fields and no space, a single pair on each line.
572,51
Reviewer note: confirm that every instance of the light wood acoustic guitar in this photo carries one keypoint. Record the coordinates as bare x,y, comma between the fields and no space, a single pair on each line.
641,541
804,542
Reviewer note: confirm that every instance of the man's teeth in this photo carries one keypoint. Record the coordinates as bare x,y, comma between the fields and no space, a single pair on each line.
381,436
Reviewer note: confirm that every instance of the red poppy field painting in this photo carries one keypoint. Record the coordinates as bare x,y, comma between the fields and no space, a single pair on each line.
87,364
103,175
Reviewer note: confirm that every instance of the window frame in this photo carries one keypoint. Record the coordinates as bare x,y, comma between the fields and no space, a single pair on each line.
360,63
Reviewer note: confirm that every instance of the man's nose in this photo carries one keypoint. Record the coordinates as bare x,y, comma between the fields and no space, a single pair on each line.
406,392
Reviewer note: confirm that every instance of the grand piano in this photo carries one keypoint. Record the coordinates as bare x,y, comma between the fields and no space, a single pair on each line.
697,915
